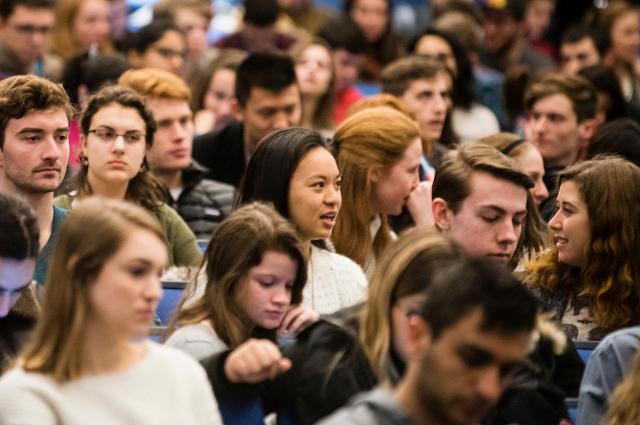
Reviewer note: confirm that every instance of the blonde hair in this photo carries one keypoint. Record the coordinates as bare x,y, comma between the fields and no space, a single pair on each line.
56,347
405,269
62,40
151,82
238,244
372,139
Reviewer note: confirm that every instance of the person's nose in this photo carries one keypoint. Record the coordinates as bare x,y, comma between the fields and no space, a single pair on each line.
281,296
540,192
118,144
153,289
333,196
281,120
489,385
571,67
52,150
507,232
556,221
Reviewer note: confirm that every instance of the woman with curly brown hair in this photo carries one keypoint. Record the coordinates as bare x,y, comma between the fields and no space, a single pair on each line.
590,277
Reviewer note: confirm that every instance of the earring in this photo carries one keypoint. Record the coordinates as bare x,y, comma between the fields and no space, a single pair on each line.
84,160
143,167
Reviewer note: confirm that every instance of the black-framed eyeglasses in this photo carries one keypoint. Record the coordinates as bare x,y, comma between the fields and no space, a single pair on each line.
109,135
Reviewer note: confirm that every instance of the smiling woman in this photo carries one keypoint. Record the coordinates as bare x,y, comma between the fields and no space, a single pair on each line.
88,354
117,130
589,278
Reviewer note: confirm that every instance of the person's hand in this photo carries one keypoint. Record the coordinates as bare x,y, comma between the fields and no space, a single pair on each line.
254,361
419,204
297,318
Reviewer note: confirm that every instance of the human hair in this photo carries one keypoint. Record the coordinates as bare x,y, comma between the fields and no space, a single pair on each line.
406,268
166,9
238,244
452,181
623,406
143,189
619,137
576,33
269,71
610,189
605,81
146,36
56,346
578,90
156,83
228,59
393,102
268,174
323,115
7,7
342,33
102,70
22,94
476,283
386,48
605,19
535,229
462,90
399,74
261,13
371,139
62,38
19,235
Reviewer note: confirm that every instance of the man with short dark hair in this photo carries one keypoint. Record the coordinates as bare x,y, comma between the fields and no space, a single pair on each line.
347,51
480,201
34,150
561,110
425,85
267,99
25,30
578,50
471,334
201,202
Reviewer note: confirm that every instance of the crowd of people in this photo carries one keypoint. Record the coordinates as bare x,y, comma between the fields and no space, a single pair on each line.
372,225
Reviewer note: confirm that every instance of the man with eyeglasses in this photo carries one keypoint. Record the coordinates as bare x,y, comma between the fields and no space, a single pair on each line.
34,150
25,30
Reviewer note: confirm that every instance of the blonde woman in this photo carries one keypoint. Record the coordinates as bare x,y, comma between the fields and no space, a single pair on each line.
88,360
378,151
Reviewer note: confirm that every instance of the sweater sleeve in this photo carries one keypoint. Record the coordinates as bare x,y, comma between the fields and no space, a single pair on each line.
22,404
183,248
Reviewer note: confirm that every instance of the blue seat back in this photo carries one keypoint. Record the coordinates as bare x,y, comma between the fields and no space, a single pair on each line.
585,348
241,411
171,295
572,408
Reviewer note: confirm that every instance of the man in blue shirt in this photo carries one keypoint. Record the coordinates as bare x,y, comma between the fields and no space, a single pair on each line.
34,150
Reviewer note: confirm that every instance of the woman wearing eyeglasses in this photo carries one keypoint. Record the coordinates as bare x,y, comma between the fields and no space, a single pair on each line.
158,45
117,129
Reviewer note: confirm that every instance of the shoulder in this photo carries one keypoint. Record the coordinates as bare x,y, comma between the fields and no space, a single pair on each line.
336,262
28,398
378,406
198,340
62,202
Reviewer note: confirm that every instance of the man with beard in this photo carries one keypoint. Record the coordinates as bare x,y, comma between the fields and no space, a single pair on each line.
463,346
34,150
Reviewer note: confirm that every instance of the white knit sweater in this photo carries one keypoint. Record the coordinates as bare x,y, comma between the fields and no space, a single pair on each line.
166,387
334,282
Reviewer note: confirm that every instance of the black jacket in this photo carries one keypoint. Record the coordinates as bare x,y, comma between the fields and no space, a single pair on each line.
222,152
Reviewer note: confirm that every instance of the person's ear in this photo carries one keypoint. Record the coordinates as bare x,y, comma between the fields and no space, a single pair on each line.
441,214
134,58
587,128
420,336
237,110
375,175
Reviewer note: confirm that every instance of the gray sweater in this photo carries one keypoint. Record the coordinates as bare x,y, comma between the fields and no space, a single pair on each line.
376,407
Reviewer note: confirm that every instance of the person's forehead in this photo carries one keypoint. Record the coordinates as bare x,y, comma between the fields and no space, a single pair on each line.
558,103
26,14
486,190
45,119
259,96
585,43
441,80
168,106
469,331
